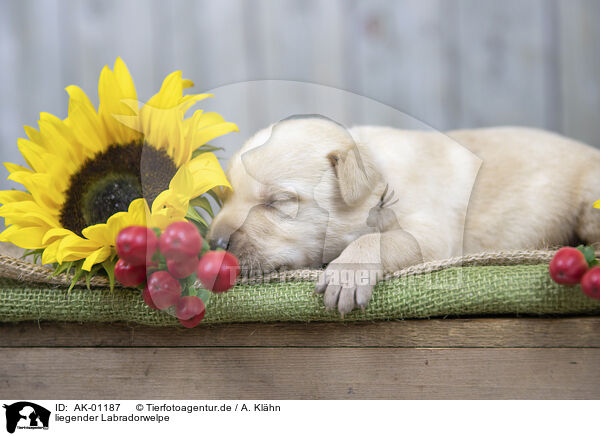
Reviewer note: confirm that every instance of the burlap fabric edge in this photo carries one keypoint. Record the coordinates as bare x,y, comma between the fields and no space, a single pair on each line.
502,283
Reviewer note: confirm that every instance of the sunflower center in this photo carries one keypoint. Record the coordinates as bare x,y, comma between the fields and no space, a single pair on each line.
108,182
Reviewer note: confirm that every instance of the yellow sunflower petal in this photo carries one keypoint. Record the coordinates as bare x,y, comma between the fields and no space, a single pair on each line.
32,153
169,208
32,134
14,168
169,199
110,95
49,254
208,119
55,234
187,101
183,152
100,255
163,218
99,233
206,174
84,121
29,238
132,121
183,182
13,196
125,81
59,148
170,92
55,142
202,136
29,212
137,215
74,247
37,184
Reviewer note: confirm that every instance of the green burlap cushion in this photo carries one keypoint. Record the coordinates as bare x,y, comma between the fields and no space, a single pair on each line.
515,283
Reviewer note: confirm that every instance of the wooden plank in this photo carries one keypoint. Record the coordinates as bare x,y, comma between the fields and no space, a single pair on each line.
216,62
95,33
300,373
289,41
10,116
31,84
398,55
506,332
502,59
579,48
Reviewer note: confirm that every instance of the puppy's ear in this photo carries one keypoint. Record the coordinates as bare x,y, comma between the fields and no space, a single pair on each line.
356,173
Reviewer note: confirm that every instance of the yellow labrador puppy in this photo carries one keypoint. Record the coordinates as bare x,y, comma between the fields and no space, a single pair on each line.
370,200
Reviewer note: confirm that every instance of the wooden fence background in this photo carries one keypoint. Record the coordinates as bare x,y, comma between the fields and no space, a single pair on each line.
449,63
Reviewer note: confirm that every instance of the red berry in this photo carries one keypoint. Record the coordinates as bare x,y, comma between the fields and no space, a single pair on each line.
130,275
568,266
136,244
218,270
180,269
590,283
164,290
147,298
190,311
180,241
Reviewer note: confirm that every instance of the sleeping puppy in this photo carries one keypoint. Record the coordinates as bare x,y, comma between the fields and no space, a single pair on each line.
370,200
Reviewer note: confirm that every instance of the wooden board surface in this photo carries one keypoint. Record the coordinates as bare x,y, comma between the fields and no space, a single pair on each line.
453,333
299,373
450,63
487,358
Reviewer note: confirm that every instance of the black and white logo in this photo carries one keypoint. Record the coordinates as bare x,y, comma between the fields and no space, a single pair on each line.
26,415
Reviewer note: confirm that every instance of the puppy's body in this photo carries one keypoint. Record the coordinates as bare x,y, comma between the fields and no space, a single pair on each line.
308,192
533,188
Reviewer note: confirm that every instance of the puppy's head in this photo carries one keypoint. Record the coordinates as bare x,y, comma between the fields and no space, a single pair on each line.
299,194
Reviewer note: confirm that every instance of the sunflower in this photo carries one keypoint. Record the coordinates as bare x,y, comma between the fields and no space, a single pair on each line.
97,172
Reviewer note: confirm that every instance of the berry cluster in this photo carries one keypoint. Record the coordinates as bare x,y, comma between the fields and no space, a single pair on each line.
169,264
571,266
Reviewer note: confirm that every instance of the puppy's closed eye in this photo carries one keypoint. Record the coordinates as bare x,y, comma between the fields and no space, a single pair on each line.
283,204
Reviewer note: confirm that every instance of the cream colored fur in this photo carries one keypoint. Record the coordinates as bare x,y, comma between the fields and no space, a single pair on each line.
307,192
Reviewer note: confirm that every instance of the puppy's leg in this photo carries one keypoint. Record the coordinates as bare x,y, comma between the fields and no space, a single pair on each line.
588,218
349,280
588,226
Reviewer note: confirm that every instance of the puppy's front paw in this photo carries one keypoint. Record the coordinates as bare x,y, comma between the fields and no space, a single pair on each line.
348,285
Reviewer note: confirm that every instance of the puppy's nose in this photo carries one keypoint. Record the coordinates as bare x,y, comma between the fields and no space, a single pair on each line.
219,243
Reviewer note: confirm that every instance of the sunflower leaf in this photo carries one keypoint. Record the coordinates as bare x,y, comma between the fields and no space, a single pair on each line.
214,195
109,267
65,267
28,253
193,214
203,203
36,253
68,271
91,273
200,224
76,275
201,228
206,148
88,278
